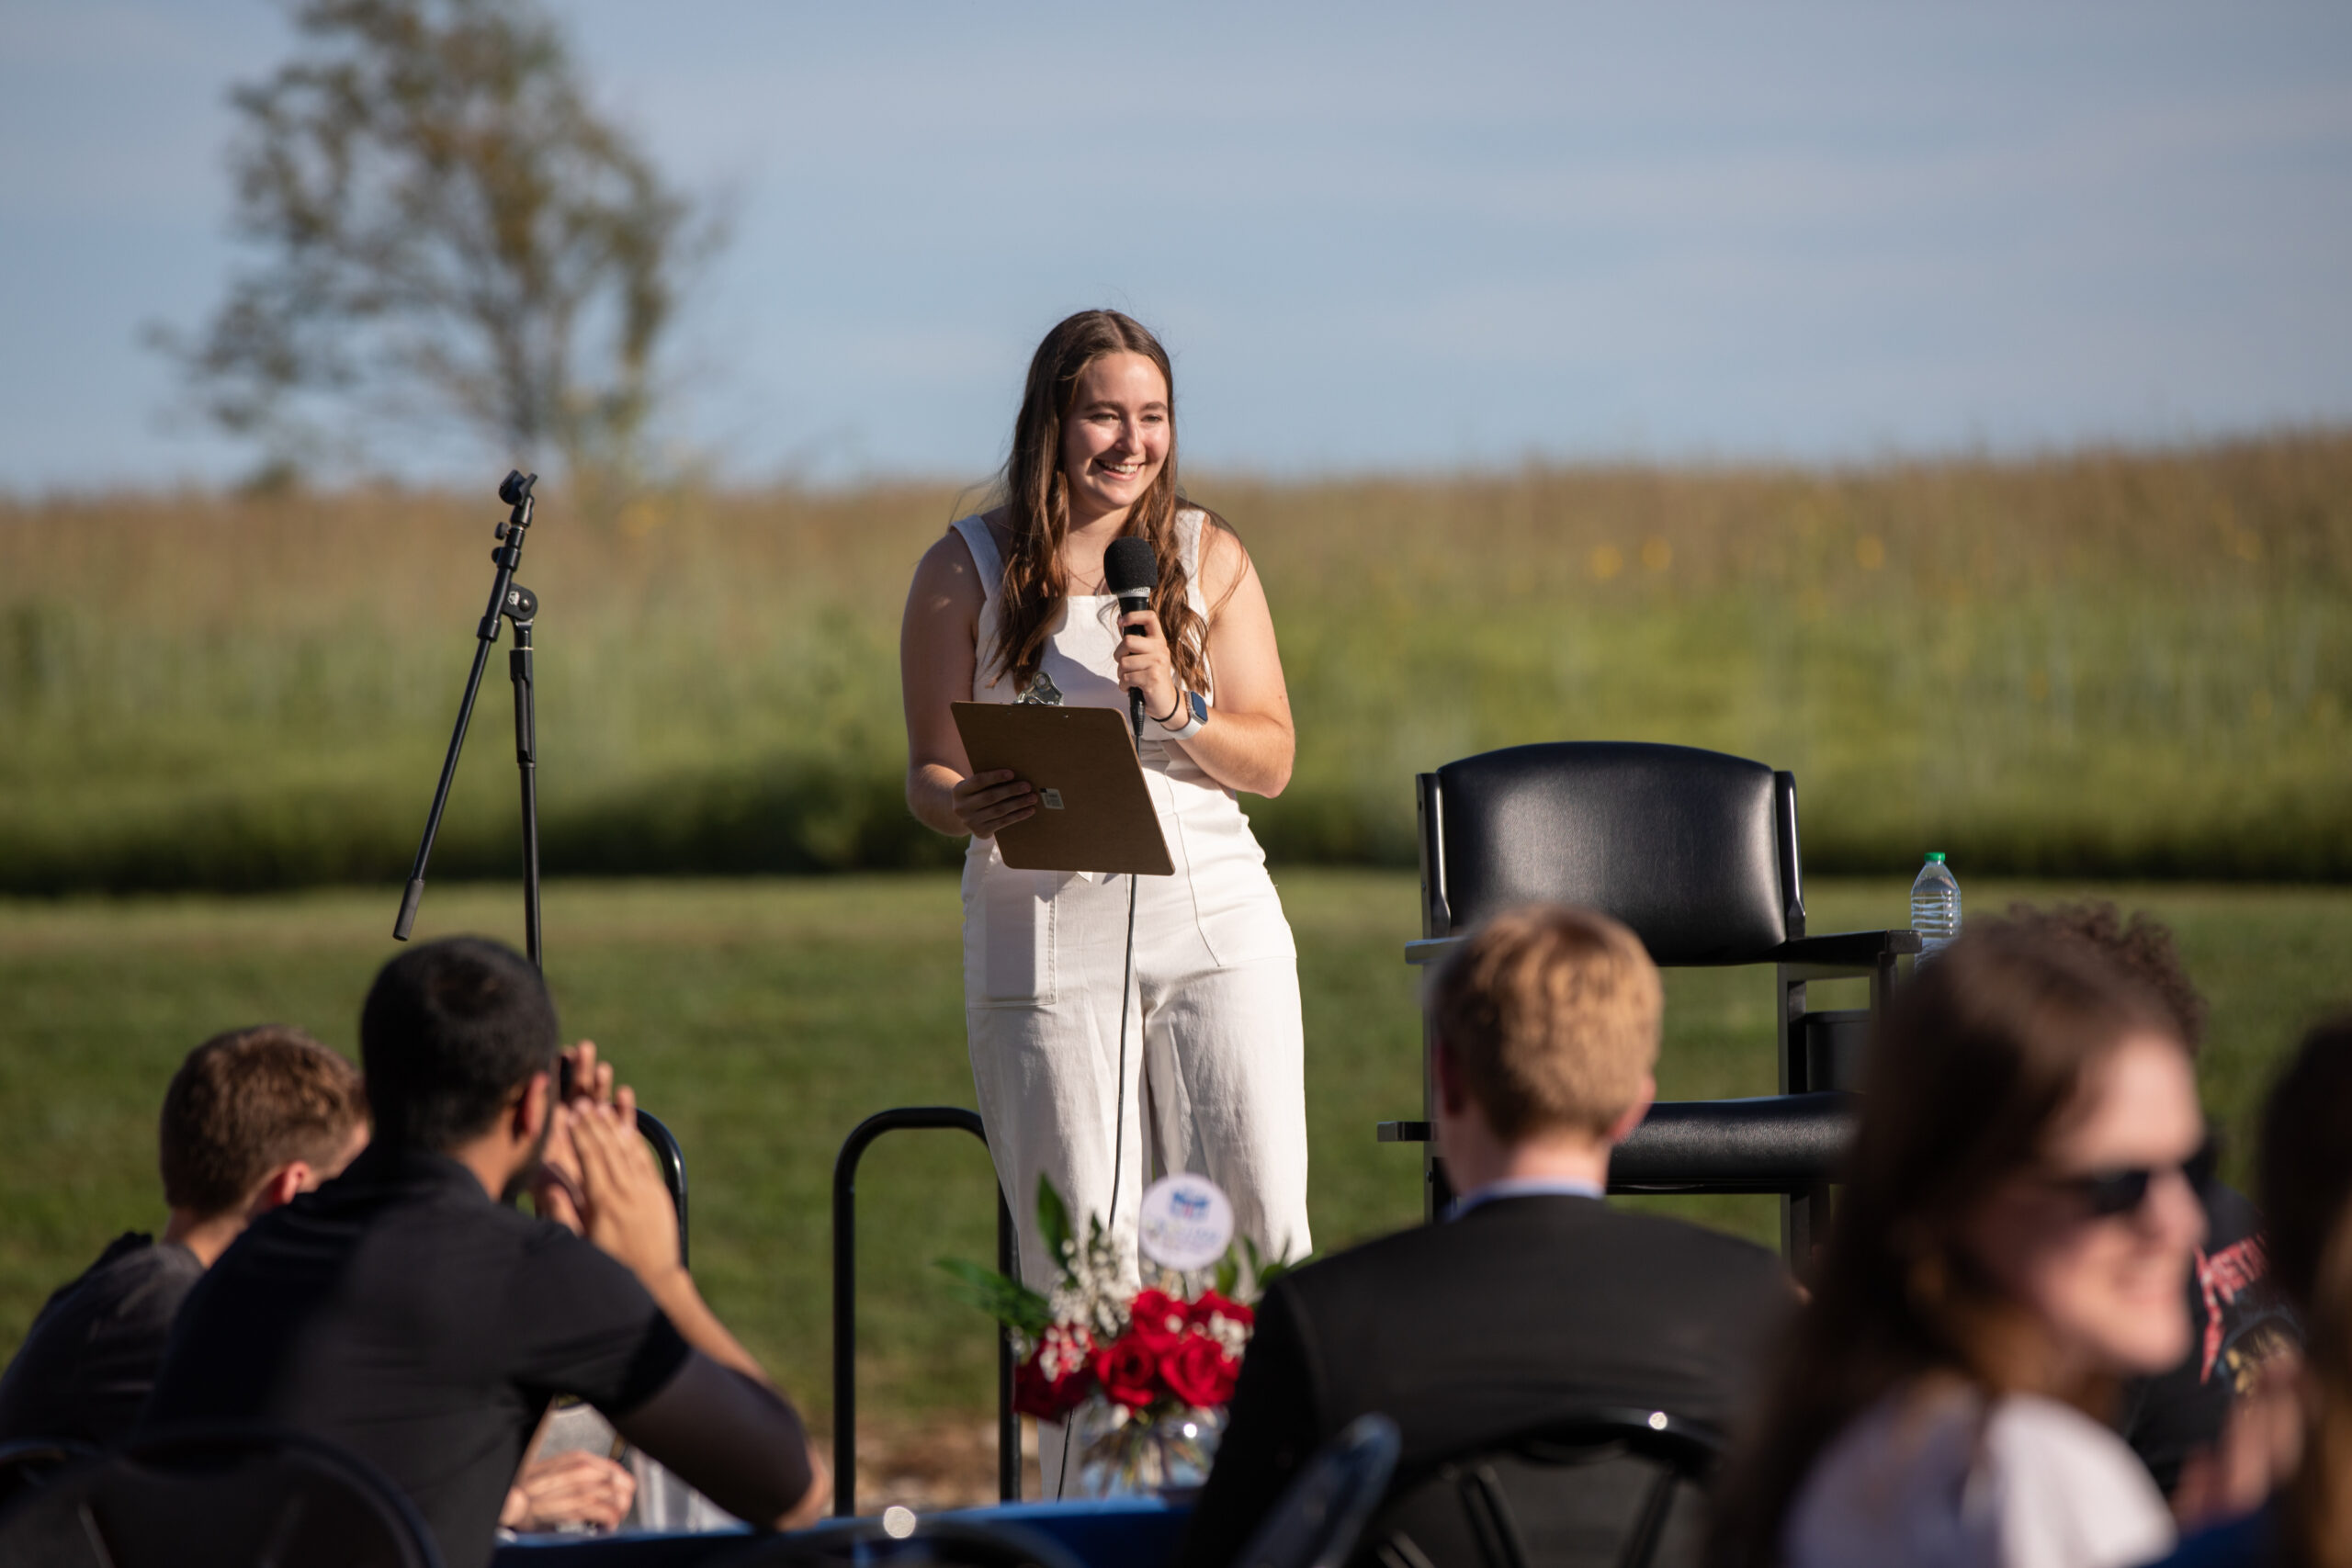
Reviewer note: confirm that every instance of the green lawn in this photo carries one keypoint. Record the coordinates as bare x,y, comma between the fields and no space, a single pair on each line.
763,1019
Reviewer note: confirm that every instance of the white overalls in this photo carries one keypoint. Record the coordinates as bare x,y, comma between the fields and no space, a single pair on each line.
1216,1070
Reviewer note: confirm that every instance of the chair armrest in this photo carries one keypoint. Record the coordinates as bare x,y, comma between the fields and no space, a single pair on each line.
1857,953
1780,1143
1860,951
1783,1142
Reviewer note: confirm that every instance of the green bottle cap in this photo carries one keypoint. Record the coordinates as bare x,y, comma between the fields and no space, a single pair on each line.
1936,856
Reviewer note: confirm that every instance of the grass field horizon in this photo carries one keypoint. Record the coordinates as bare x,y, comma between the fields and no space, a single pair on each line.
2099,662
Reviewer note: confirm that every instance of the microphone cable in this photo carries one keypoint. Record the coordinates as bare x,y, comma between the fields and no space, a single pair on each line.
1130,570
1126,986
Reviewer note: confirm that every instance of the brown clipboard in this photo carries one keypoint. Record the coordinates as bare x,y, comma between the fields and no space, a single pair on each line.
1095,812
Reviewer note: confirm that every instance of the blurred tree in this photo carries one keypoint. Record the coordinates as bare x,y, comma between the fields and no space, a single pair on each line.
452,232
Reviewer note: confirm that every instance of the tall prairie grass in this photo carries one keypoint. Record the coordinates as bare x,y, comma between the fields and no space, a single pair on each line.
2108,663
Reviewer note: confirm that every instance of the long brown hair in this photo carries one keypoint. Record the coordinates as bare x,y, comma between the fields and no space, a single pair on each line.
2317,1526
1981,1059
1037,504
2303,1175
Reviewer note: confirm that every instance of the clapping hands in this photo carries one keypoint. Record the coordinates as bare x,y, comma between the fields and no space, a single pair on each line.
597,1177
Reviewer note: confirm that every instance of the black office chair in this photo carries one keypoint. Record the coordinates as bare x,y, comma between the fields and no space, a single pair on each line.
29,1465
1610,1487
219,1498
914,1543
1697,851
1322,1514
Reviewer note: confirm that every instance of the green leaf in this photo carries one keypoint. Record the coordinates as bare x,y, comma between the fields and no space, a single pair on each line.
1009,1301
1053,1222
1270,1272
1228,1275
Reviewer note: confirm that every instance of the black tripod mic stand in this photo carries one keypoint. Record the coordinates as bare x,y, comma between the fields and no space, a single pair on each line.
509,600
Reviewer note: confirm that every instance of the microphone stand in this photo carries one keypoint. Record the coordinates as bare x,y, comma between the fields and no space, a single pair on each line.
509,600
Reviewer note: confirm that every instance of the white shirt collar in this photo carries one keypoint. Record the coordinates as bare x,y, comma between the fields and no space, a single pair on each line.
1522,1187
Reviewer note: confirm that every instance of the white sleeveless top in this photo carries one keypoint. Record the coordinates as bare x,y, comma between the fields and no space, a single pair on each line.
1208,837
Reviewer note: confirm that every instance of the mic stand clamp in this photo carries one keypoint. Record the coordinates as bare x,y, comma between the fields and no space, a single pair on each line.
509,600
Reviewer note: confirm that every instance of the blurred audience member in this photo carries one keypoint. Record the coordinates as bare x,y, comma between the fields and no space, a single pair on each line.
407,1313
2019,1214
1534,1300
2235,1321
2305,1178
251,1118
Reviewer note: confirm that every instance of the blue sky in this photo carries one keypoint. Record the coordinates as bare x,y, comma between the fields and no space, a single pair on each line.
1374,236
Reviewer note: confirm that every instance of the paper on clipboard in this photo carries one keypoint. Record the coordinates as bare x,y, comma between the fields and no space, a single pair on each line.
1095,811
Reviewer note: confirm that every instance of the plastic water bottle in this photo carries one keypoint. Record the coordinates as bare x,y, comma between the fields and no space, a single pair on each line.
1935,906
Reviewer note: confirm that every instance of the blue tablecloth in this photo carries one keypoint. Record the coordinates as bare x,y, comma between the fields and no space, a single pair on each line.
1138,1533
1141,1532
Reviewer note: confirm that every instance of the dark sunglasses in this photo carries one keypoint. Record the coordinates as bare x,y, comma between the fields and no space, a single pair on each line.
2107,1193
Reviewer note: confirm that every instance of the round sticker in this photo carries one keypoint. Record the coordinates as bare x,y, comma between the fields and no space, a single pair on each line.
1187,1223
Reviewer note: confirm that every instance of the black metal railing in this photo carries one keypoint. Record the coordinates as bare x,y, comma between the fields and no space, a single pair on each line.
1008,1426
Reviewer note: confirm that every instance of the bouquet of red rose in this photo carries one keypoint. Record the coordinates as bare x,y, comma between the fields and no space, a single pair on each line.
1161,1358
1171,1354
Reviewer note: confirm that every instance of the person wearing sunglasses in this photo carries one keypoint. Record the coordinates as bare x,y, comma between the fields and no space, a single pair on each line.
2238,1324
2017,1220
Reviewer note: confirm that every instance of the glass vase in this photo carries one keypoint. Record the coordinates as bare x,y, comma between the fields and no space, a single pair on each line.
1129,1453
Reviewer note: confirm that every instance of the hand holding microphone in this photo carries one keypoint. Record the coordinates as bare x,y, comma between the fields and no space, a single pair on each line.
1131,571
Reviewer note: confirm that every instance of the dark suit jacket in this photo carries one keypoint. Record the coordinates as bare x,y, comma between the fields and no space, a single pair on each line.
1524,1310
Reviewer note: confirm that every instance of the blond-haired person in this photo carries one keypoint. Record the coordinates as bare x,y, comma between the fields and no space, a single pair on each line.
1534,1300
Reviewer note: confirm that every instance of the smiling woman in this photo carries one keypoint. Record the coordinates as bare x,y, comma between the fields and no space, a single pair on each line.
1011,605
2014,1239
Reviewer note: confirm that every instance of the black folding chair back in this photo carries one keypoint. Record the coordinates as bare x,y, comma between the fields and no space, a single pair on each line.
1321,1515
225,1499
29,1465
946,1543
1609,1489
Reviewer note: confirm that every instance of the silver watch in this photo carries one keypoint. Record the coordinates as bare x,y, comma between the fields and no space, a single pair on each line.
1193,725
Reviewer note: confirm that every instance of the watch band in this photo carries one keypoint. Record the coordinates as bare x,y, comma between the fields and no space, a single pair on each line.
1195,722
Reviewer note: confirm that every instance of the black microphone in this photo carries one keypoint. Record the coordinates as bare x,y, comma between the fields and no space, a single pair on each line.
1131,571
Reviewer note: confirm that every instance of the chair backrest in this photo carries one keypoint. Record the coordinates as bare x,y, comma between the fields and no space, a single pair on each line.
1319,1518
905,1543
30,1463
1695,851
1604,1489
219,1498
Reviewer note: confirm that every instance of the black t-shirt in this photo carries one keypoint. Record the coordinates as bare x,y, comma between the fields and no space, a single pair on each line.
400,1312
2236,1322
87,1363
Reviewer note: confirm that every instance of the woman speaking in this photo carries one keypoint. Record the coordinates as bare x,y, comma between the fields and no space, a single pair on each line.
1011,605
